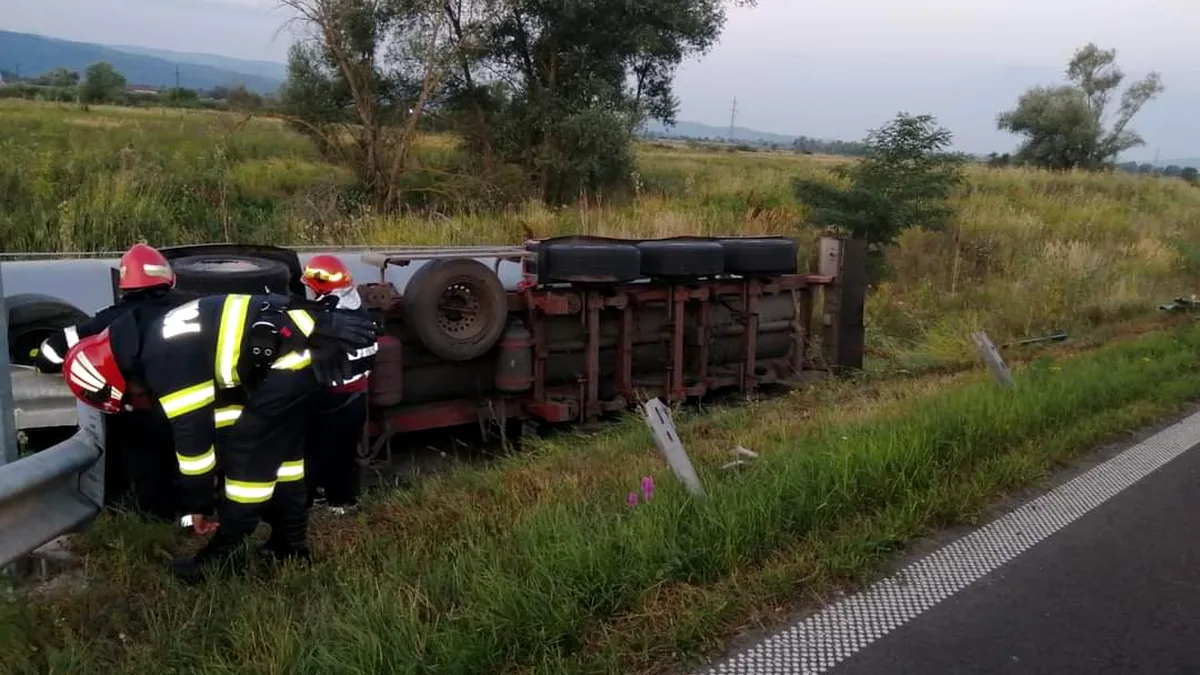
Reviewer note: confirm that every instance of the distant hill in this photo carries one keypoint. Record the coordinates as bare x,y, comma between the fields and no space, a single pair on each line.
270,70
37,54
1193,162
698,130
742,135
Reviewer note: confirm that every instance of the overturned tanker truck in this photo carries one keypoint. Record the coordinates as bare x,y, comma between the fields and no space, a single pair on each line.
560,330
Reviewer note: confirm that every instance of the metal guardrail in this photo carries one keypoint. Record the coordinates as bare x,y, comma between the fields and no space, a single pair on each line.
52,492
41,401
57,490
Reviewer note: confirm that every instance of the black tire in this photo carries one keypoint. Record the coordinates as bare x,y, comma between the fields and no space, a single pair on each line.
759,256
587,260
31,319
213,274
681,257
457,308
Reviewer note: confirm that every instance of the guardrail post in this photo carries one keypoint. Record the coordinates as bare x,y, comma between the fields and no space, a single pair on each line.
9,448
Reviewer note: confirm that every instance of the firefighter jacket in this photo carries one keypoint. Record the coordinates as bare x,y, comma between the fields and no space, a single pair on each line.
357,379
147,305
197,353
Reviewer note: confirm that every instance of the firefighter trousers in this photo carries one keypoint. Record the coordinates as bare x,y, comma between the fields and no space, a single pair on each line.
143,461
262,461
331,447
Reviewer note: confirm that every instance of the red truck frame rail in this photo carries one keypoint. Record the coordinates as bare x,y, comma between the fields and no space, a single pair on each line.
575,351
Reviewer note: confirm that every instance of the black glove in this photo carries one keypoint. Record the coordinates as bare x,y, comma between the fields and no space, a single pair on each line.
342,331
330,367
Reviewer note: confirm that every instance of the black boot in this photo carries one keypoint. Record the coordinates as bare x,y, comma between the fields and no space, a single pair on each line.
289,537
219,552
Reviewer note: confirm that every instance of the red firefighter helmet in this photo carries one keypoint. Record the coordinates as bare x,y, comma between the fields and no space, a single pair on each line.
91,372
326,274
143,266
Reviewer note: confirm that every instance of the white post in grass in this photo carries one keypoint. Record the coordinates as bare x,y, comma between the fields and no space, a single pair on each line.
658,418
991,356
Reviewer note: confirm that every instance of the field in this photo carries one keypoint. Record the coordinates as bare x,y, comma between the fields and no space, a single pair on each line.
537,564
1032,252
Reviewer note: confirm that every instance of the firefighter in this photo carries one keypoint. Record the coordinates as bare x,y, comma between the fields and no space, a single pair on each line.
341,410
140,434
277,356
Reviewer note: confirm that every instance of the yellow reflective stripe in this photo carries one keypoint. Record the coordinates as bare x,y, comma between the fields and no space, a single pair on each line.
293,361
247,492
229,339
225,417
291,471
303,320
197,466
188,400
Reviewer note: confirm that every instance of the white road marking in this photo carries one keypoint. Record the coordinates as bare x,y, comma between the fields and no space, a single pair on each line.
818,642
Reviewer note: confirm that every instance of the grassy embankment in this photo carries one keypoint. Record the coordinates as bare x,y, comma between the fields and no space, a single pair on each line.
1033,252
537,565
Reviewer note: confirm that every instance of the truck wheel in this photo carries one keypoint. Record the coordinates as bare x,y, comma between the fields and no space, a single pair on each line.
457,308
31,319
587,260
756,256
214,274
681,257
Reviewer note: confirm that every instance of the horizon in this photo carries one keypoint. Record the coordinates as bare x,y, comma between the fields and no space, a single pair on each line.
877,57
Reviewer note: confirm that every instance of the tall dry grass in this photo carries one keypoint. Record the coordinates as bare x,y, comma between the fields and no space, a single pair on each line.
1031,252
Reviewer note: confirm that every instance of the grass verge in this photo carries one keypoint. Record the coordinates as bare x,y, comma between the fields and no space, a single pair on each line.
539,565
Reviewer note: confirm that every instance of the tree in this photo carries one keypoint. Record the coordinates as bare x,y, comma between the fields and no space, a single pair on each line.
101,83
560,88
367,73
59,77
1065,127
1190,174
554,90
904,180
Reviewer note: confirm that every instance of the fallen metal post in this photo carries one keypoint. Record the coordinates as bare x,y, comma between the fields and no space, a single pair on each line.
658,418
991,356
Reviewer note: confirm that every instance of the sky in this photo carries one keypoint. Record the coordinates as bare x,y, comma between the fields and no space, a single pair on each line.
821,68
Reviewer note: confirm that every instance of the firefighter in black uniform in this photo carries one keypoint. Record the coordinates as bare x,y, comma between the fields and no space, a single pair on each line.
278,356
341,411
140,434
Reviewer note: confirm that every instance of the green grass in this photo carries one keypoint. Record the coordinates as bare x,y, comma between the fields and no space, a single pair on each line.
539,566
1031,252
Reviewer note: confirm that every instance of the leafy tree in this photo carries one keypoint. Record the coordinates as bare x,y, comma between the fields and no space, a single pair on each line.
561,88
59,77
366,73
242,98
1065,126
555,90
1190,174
904,180
101,83
997,160
180,96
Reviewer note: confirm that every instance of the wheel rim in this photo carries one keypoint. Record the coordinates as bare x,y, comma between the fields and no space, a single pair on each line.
461,314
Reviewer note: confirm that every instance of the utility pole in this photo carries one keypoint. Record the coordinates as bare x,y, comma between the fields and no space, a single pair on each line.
177,77
732,118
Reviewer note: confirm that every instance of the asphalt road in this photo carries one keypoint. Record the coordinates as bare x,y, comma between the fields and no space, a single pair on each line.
1117,591
1102,577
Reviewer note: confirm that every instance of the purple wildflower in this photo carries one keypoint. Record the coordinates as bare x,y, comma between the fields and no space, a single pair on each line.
648,487
633,499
